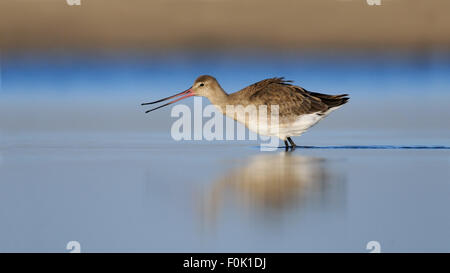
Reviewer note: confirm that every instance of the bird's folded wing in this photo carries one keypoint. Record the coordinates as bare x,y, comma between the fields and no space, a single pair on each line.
291,100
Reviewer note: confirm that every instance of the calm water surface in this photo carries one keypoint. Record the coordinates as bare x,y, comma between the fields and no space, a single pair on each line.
145,192
79,161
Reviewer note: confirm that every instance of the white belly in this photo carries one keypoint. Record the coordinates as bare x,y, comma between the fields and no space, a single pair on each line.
288,129
299,126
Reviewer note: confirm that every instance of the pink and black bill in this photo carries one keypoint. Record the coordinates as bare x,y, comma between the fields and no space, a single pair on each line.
187,93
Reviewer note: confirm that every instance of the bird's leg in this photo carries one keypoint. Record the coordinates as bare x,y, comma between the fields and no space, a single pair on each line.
292,142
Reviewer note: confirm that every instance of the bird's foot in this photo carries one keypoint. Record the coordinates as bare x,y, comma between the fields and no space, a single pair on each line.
291,142
288,147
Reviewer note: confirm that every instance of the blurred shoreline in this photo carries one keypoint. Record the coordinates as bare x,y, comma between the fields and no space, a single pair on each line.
167,25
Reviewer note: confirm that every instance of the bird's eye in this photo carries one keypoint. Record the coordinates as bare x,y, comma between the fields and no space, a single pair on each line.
202,84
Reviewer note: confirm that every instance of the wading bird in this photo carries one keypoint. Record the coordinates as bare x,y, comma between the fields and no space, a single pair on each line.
298,109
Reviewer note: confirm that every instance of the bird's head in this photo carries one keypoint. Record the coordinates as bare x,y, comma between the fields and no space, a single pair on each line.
204,86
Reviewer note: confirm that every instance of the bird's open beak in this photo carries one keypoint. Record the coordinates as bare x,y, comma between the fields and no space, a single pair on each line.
187,93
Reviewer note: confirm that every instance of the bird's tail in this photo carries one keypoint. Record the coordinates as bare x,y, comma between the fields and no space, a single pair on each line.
331,100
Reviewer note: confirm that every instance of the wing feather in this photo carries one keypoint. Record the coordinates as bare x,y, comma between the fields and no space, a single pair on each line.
292,100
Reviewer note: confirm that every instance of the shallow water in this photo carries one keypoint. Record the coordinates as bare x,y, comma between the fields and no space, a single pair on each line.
145,192
79,161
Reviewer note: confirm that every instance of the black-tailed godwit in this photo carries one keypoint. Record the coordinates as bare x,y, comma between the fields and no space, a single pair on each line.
298,108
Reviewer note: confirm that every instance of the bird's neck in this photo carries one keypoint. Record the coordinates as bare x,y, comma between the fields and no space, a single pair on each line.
219,98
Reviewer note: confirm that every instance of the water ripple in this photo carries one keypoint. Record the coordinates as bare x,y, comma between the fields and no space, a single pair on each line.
379,147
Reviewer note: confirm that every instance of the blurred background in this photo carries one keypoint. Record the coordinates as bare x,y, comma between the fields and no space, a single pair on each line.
106,51
79,159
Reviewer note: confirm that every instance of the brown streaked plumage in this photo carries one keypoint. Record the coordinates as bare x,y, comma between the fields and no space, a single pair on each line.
299,109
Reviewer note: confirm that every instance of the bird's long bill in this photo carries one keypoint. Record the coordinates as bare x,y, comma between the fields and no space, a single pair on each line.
187,93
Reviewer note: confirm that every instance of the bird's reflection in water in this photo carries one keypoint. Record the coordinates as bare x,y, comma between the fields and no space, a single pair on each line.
273,183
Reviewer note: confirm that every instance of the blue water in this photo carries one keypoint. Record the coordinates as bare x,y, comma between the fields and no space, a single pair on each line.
148,193
80,161
378,147
123,73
